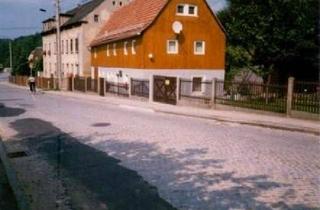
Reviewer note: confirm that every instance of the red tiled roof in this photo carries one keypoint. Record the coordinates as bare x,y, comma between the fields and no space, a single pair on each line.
130,20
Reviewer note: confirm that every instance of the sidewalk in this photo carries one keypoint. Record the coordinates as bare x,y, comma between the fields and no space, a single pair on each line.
246,118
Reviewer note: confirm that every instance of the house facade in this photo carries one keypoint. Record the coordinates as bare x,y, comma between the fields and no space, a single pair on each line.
171,38
78,28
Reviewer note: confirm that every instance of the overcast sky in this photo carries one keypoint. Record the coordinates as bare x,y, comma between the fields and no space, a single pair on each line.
22,17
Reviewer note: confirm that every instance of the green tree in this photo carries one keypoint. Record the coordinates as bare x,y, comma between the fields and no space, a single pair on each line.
21,48
278,37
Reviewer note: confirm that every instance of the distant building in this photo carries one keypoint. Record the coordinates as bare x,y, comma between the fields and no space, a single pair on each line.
78,28
168,38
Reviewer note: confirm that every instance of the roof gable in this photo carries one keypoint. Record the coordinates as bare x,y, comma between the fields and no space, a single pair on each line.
130,20
133,19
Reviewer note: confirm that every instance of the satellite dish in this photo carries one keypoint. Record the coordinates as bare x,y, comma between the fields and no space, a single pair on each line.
177,27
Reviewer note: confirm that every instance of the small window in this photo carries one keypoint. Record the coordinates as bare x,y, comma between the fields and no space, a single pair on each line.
96,18
172,46
55,48
133,47
125,50
120,3
67,47
196,84
71,46
199,47
77,45
108,51
180,9
187,10
192,10
113,3
114,49
95,54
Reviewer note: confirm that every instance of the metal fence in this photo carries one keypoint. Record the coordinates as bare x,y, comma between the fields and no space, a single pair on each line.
140,88
121,89
80,84
254,96
187,90
92,84
306,97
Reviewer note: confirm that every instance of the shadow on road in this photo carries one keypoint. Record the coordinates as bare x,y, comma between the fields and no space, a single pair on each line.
114,186
10,112
184,173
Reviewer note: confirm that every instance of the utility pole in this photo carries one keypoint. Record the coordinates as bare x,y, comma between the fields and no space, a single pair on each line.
58,42
10,52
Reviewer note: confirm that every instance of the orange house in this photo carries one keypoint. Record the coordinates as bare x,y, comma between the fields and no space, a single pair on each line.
146,39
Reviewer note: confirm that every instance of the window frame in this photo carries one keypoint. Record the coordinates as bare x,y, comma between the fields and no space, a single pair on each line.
176,45
108,50
201,85
133,47
76,45
114,51
125,49
203,52
96,18
186,10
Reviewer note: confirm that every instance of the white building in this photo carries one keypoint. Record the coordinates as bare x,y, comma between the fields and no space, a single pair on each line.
78,28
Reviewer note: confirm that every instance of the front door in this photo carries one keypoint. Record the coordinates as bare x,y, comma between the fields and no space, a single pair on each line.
165,89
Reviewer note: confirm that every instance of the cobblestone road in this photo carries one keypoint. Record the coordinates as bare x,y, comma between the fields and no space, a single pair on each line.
195,164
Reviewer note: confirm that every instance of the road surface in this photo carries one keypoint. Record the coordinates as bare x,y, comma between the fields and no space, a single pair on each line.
193,163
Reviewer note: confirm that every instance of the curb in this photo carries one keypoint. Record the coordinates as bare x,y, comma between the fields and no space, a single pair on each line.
20,196
257,124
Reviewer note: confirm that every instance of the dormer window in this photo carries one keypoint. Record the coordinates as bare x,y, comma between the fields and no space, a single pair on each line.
187,10
96,18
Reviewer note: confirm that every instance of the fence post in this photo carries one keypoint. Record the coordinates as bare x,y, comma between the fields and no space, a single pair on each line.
129,86
151,88
290,95
213,93
102,87
178,89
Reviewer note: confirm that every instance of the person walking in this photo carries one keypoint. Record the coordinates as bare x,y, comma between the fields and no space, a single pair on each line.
32,84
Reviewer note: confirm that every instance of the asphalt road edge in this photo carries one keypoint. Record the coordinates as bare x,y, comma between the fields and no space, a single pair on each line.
21,197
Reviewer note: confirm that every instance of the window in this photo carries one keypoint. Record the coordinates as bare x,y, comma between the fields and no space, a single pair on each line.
55,48
95,54
196,84
172,46
192,10
71,46
199,47
108,50
96,18
49,52
125,50
67,47
113,3
114,49
180,9
133,47
62,47
77,45
120,3
187,10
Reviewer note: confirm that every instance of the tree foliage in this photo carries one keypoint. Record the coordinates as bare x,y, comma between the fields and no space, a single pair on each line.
278,37
21,48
